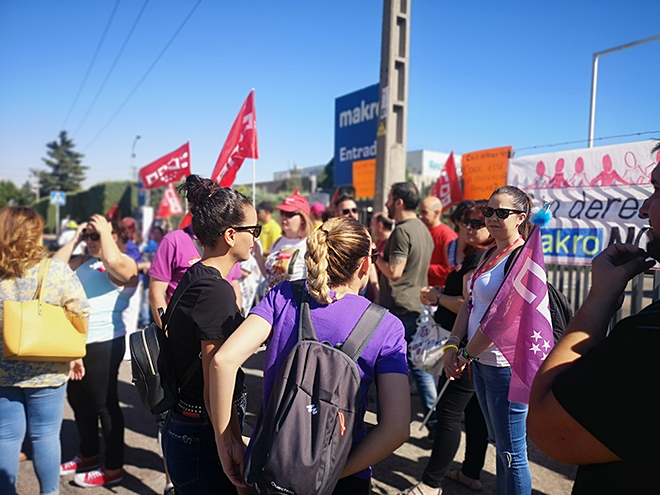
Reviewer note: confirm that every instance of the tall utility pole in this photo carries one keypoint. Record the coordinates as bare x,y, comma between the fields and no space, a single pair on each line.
393,113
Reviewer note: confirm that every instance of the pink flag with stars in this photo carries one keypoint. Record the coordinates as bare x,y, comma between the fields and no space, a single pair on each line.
518,319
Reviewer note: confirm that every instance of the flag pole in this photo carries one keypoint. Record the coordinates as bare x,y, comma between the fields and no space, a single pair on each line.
254,185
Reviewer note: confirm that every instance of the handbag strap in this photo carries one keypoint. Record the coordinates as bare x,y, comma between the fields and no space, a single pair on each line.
41,281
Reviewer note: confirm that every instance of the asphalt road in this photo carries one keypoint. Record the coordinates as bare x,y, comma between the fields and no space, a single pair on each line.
144,466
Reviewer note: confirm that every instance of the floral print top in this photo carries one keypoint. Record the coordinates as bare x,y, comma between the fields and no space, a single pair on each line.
62,288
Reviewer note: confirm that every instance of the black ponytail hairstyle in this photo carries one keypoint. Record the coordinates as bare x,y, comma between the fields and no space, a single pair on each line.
521,201
214,209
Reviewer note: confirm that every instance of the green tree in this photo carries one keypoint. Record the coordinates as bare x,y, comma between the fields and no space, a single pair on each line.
10,195
27,191
66,170
326,177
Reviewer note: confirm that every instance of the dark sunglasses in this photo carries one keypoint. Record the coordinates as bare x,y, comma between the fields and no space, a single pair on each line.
473,223
288,214
255,230
347,211
92,236
500,212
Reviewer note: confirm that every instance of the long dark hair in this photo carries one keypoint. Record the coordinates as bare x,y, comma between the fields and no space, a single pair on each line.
214,209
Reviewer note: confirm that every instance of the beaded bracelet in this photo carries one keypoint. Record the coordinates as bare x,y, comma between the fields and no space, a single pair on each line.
465,357
454,338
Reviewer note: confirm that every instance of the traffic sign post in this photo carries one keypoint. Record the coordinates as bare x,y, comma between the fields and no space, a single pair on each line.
57,198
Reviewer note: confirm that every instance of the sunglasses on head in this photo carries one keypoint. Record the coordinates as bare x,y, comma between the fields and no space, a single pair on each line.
374,256
500,212
348,211
92,236
255,230
288,214
474,224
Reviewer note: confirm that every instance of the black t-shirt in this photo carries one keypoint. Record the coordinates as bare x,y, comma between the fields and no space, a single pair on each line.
612,392
206,311
454,287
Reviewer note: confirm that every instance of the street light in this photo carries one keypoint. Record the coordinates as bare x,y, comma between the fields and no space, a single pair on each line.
594,79
133,171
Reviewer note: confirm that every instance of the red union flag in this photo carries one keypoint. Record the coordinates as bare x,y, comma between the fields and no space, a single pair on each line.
447,188
169,203
241,143
518,320
170,168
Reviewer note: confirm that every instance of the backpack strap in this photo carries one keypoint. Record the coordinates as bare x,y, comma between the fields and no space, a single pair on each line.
511,259
363,331
305,326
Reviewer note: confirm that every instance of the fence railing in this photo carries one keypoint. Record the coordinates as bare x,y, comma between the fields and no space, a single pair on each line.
575,281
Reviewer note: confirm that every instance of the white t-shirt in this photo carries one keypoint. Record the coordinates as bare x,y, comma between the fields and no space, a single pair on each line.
483,292
286,261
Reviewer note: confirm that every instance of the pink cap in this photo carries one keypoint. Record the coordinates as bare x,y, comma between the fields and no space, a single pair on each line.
294,203
318,209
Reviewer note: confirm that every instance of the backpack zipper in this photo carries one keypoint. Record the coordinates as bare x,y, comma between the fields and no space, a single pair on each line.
146,347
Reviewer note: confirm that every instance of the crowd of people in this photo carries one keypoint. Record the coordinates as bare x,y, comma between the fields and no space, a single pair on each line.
231,272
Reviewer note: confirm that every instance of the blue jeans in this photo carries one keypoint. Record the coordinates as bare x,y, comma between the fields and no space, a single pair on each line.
506,428
425,382
38,411
191,455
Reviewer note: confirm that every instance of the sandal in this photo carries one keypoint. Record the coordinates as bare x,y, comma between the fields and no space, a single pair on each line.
416,490
455,475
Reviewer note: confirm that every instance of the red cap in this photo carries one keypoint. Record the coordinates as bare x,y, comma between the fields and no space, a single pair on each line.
294,203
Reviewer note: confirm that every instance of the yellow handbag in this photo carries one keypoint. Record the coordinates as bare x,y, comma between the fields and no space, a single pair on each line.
38,331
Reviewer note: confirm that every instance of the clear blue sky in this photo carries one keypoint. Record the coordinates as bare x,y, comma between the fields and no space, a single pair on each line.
482,74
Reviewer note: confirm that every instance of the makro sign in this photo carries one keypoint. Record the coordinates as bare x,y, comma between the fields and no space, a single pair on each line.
356,120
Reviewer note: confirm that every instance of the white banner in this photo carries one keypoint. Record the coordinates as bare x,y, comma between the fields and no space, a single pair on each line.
595,195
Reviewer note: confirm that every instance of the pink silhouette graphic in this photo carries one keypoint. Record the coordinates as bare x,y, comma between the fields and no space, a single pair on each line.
558,180
608,176
634,174
649,168
579,179
541,180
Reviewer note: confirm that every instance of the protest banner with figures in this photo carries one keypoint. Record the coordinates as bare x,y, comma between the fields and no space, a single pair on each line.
594,193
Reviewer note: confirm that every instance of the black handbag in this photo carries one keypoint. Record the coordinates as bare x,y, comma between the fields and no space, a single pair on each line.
153,374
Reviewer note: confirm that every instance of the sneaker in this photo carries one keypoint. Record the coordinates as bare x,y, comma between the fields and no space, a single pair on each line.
169,489
98,477
79,465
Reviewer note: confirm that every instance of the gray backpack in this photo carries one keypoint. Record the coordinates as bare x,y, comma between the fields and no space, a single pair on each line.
301,443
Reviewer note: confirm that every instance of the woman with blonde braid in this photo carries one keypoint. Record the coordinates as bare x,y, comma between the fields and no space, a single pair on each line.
338,258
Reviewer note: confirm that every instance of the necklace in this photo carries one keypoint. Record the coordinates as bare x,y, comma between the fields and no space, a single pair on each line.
480,270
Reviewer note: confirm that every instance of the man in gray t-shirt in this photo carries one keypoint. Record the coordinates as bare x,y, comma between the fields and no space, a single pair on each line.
403,272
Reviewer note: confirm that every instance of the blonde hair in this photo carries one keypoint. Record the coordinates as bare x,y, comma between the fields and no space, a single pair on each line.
334,253
21,247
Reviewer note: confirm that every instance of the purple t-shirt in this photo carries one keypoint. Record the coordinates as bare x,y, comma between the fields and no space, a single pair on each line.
385,353
175,254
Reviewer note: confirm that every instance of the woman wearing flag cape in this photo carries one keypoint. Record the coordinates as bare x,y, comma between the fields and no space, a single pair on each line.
507,220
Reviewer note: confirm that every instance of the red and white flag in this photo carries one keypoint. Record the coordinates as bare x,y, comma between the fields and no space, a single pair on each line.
447,188
170,204
241,143
167,169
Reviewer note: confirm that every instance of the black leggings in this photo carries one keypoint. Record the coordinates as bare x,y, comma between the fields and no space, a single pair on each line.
352,485
458,398
95,397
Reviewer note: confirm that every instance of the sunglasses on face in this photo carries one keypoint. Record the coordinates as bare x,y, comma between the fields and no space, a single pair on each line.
288,214
255,230
473,223
348,211
500,212
92,236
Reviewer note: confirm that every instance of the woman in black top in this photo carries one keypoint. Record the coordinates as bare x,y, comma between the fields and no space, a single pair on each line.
459,397
225,223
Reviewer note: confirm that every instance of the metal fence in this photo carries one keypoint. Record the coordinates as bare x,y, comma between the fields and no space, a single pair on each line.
575,281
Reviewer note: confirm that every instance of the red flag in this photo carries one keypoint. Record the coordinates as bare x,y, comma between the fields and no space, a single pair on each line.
185,221
112,211
169,203
167,169
241,143
447,188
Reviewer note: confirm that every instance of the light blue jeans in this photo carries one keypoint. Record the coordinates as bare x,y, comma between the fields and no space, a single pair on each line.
38,411
506,428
